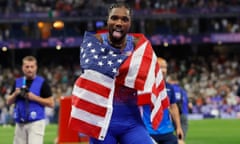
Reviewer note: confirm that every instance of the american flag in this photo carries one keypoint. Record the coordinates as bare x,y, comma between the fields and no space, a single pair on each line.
103,66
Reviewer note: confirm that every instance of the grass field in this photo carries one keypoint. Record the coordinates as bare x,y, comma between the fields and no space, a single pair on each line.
210,131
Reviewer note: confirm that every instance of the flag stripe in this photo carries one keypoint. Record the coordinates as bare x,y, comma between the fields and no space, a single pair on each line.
87,116
159,77
165,103
150,78
157,89
145,67
144,98
84,127
157,102
89,96
120,79
157,117
88,106
157,112
87,82
92,103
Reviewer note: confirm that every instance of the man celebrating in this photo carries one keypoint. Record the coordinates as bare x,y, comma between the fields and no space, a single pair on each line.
116,66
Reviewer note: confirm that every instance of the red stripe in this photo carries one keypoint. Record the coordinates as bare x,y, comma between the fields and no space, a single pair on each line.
88,106
123,70
141,39
161,86
157,90
83,127
165,103
157,118
144,99
93,87
144,68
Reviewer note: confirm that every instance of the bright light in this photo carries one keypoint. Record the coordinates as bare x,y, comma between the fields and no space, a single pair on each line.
4,49
58,25
165,44
40,25
58,47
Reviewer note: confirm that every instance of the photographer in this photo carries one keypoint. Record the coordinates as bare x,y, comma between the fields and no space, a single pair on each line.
30,94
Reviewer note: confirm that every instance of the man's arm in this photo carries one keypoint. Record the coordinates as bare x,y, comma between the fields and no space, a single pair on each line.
49,101
45,98
12,97
176,119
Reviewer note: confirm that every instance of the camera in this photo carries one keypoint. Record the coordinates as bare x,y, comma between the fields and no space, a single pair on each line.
23,92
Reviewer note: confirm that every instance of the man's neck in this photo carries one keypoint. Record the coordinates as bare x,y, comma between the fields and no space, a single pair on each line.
119,45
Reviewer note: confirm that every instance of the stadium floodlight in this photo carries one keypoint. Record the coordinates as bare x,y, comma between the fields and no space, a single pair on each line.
58,25
4,48
58,47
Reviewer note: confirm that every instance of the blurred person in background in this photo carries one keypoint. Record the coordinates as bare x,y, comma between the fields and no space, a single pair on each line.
30,94
171,118
182,102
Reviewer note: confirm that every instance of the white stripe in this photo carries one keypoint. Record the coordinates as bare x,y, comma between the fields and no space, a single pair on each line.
157,102
159,78
151,75
134,66
108,115
90,96
164,94
87,117
97,77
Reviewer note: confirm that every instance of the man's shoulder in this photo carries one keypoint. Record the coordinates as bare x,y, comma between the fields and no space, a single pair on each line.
168,85
137,37
40,78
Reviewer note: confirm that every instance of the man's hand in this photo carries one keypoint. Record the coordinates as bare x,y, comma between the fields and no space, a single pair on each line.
31,96
16,92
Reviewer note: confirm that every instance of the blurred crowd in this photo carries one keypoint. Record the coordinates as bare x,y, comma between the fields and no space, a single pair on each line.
86,7
191,17
212,83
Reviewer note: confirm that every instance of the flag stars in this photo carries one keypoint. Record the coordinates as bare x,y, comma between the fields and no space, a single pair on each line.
86,60
89,44
110,63
93,50
84,55
102,49
111,52
95,56
119,60
114,70
81,49
100,63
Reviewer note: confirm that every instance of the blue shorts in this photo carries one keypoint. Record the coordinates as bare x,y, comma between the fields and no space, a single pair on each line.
126,127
